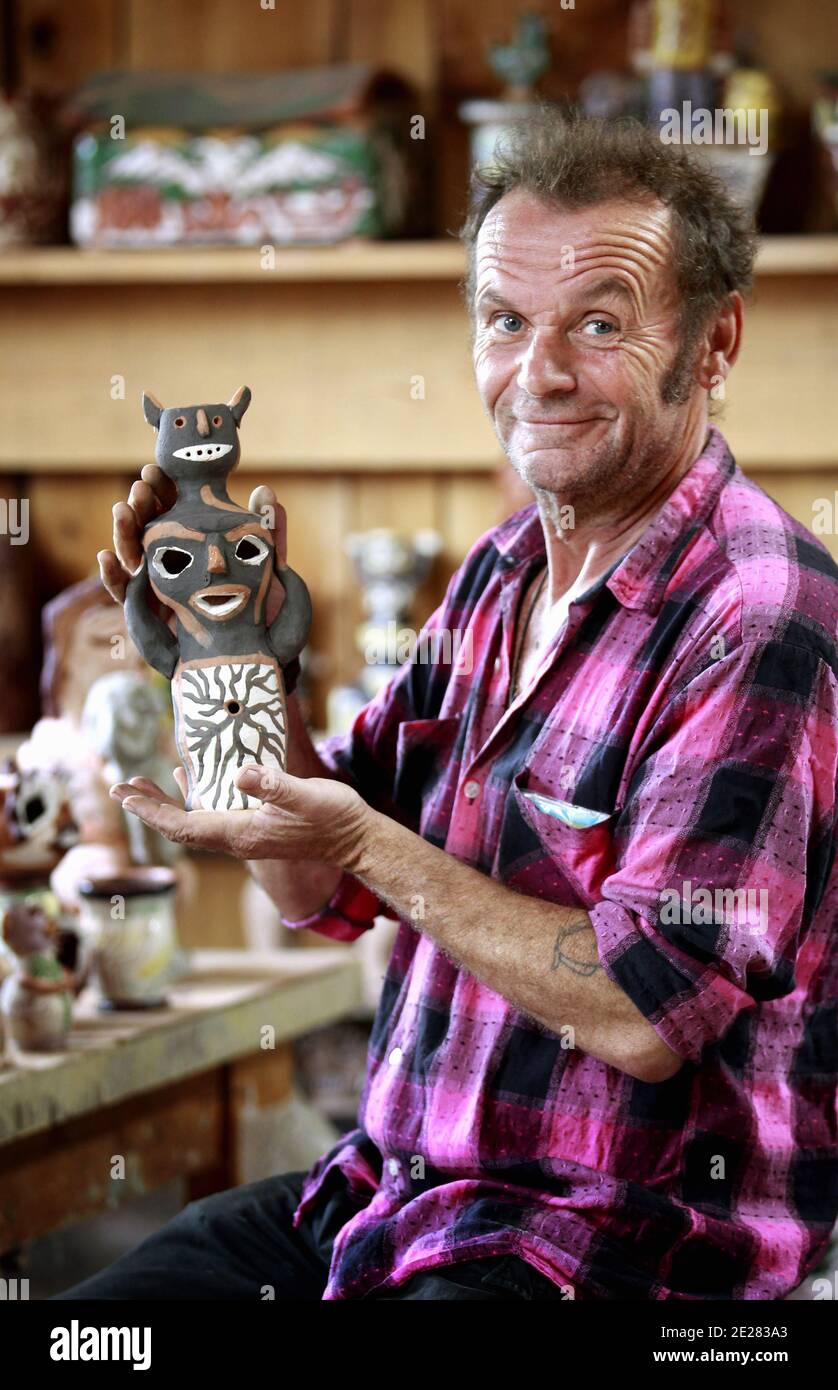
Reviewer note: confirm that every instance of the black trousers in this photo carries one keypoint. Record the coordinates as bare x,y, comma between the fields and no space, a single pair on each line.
241,1245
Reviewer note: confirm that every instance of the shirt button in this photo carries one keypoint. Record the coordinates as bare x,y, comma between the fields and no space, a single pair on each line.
395,1057
471,790
497,663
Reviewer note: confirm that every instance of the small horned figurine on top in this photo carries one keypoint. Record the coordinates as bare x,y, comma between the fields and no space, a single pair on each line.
211,562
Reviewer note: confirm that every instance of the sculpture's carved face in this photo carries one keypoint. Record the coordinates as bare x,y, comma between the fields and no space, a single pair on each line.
213,577
36,822
197,441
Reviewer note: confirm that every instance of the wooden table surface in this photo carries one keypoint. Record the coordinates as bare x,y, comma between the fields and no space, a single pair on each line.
216,1014
140,1098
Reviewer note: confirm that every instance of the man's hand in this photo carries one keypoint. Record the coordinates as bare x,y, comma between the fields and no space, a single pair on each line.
300,818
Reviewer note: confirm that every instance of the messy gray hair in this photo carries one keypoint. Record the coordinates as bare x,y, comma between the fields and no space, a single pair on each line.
572,161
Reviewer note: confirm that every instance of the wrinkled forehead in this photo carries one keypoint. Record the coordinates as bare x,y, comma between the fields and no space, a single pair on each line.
526,247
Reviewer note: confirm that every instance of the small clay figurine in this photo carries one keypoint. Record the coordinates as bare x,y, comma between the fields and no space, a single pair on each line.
37,998
211,562
123,719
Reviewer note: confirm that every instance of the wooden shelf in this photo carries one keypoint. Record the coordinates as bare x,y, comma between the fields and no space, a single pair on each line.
354,260
357,260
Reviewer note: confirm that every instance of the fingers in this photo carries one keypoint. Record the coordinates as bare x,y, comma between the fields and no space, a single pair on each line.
143,501
268,784
163,488
112,574
126,537
120,790
263,500
179,774
226,832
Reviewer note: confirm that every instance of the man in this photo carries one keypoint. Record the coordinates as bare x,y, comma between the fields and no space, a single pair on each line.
603,1061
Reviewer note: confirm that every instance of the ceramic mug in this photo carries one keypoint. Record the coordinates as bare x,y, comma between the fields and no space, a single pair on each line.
132,913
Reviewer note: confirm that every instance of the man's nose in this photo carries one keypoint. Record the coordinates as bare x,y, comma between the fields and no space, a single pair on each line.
547,364
203,423
216,563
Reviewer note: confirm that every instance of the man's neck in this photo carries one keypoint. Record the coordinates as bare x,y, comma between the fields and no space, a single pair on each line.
577,557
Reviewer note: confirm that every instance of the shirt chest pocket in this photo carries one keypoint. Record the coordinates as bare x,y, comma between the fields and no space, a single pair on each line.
428,755
554,847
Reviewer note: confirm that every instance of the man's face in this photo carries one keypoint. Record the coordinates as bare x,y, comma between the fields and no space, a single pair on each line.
576,338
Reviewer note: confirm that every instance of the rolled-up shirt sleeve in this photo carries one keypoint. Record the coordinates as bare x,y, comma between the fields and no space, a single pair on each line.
724,844
351,910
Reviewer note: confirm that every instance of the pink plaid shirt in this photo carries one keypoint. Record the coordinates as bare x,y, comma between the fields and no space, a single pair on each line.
681,740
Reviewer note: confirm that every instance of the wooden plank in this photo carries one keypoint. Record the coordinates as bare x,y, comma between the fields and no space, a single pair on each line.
357,260
173,1132
215,36
331,387
217,1014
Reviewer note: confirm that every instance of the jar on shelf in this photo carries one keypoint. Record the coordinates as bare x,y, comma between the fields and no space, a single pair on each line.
132,915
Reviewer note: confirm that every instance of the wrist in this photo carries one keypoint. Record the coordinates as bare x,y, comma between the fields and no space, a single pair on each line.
360,851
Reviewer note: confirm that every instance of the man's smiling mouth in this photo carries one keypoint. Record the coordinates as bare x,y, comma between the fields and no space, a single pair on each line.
221,600
563,424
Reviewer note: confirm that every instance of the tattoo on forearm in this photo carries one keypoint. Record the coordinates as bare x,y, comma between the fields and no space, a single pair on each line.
569,950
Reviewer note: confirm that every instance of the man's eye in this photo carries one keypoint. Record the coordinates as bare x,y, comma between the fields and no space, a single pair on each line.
509,323
600,328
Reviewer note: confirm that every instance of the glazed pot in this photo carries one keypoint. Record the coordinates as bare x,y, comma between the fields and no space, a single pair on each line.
132,916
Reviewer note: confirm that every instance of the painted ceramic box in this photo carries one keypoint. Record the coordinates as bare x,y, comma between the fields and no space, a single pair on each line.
309,157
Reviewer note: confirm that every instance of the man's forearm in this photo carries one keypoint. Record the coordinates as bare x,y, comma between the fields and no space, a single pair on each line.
298,887
541,957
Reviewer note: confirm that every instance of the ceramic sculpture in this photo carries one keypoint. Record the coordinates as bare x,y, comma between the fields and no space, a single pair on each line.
211,563
124,722
36,1000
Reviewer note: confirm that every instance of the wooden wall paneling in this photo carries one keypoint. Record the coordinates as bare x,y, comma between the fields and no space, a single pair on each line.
405,503
468,507
217,36
319,513
398,34
70,521
782,404
61,44
351,358
587,38
403,35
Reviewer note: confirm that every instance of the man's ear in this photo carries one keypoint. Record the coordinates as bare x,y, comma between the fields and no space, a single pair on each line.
238,403
152,409
724,339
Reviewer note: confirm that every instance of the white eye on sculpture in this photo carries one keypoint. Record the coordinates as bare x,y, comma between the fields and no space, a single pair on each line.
171,561
251,550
